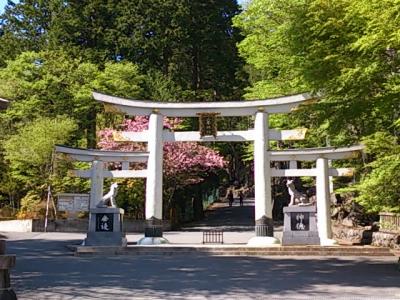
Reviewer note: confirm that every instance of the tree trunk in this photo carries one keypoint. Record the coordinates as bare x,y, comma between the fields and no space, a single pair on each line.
91,129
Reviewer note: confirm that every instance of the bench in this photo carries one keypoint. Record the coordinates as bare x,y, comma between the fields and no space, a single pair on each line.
213,237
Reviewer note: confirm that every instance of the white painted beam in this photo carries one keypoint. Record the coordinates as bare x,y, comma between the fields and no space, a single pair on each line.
89,155
293,172
222,136
192,109
311,154
346,172
185,136
110,174
287,135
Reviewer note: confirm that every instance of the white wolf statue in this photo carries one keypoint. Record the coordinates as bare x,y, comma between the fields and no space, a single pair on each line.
108,199
295,196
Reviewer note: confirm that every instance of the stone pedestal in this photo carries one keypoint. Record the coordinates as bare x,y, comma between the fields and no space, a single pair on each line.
105,227
264,234
300,226
153,233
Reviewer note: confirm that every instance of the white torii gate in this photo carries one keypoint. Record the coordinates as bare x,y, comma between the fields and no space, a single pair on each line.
97,173
155,136
322,172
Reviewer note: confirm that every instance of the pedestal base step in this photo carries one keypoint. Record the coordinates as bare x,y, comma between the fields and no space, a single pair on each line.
227,250
105,239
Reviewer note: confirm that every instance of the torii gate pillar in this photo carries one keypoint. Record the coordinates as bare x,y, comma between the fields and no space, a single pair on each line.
154,168
264,225
323,203
154,183
96,183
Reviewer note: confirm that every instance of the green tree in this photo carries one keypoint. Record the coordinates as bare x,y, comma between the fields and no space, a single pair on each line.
29,151
347,52
24,27
327,47
191,43
51,83
43,86
47,84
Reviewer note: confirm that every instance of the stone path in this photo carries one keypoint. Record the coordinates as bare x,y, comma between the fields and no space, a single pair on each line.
236,221
222,216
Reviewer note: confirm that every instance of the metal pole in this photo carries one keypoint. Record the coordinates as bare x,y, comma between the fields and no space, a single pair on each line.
47,208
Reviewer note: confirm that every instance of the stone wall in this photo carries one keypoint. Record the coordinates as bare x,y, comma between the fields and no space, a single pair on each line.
67,225
386,239
352,235
16,226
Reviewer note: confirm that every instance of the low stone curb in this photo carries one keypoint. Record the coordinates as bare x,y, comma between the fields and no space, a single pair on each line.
234,250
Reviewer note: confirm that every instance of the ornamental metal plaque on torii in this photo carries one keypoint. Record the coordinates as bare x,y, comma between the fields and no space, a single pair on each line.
260,135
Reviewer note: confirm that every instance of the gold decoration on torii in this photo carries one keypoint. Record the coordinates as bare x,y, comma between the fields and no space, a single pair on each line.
208,124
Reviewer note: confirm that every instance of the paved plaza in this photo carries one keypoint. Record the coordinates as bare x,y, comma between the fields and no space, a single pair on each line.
47,269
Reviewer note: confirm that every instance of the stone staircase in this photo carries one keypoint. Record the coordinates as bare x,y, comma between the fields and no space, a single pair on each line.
226,250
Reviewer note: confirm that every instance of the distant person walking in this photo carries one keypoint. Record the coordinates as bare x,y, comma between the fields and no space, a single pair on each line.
230,197
241,198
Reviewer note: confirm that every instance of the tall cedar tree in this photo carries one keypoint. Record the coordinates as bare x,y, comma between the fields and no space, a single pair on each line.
190,42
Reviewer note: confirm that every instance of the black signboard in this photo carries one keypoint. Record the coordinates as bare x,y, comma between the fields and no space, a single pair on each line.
300,221
105,222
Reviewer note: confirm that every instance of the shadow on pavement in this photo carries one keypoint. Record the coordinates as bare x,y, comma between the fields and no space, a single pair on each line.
47,266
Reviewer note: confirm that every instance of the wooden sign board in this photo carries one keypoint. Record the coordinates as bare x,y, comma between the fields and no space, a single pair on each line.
208,124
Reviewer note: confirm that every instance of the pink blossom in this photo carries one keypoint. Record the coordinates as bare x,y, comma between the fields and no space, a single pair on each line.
187,162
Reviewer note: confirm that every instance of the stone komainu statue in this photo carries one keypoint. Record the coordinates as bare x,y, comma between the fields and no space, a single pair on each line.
295,196
108,199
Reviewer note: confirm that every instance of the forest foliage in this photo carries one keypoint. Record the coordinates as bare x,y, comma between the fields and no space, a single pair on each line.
347,53
54,53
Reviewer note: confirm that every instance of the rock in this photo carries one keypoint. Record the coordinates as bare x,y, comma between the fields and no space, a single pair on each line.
348,222
335,212
336,199
386,239
349,235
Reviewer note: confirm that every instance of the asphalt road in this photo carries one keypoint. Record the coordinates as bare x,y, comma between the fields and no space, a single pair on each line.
46,269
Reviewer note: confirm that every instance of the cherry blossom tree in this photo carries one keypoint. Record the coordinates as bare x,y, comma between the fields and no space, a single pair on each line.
185,163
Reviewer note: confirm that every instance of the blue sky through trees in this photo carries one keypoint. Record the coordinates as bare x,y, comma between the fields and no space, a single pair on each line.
4,2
